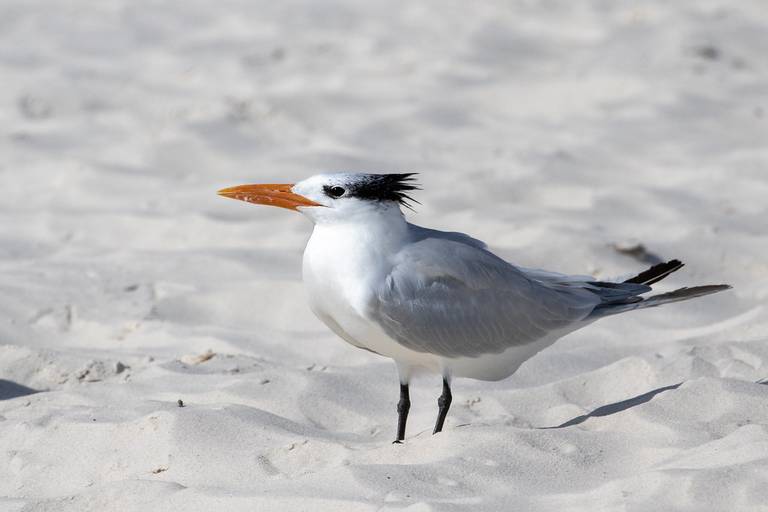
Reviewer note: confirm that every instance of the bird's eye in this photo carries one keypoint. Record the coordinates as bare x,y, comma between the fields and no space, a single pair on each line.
335,191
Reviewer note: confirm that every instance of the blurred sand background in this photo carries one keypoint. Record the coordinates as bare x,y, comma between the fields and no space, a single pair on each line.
583,137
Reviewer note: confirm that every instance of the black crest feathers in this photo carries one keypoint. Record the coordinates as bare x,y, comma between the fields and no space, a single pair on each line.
386,187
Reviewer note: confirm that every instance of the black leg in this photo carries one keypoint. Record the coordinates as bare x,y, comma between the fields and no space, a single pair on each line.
403,406
443,404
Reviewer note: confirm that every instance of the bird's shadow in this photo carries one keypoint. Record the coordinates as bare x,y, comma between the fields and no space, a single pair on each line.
607,410
10,389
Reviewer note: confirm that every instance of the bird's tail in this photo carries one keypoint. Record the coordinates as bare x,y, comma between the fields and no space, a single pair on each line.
649,277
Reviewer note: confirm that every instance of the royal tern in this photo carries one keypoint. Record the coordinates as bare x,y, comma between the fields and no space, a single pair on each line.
434,300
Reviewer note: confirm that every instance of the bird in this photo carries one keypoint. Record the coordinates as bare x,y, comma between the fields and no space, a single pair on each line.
435,301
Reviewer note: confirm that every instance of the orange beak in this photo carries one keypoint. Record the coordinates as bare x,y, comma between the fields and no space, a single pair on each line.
272,195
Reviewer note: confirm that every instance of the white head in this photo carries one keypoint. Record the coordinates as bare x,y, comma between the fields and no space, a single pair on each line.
327,198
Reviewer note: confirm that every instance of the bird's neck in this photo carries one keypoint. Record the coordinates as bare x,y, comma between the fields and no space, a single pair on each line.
378,230
357,248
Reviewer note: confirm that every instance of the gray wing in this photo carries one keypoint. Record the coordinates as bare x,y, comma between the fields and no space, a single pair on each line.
419,233
448,296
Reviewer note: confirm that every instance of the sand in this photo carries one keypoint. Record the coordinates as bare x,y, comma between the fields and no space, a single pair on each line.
584,137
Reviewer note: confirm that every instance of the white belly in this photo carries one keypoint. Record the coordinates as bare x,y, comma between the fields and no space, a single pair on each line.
365,334
342,309
497,366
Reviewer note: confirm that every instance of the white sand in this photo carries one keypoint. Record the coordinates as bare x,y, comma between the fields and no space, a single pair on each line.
553,130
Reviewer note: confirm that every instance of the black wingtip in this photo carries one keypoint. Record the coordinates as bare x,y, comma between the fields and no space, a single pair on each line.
686,293
710,288
656,273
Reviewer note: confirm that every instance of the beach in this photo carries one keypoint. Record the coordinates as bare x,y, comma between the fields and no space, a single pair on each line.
156,348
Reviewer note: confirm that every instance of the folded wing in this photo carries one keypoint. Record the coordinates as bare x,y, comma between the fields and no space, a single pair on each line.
450,297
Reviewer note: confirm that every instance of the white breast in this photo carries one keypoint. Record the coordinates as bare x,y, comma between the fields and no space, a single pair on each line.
342,268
